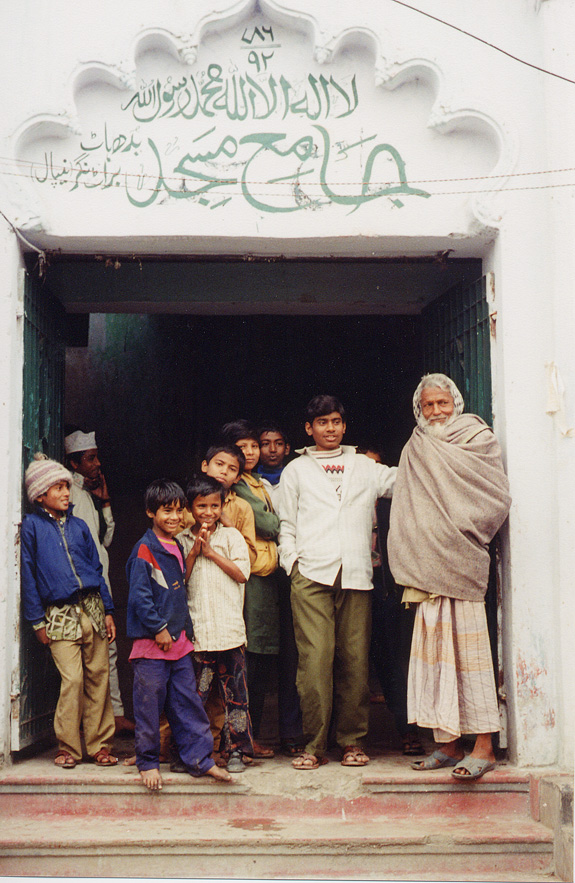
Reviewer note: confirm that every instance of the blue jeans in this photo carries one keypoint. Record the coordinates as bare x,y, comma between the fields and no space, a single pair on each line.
170,686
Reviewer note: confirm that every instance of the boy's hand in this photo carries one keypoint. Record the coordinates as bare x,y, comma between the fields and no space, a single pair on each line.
42,636
110,627
204,535
164,640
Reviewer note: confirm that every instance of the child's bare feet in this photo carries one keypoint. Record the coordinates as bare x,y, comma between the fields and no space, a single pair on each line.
130,761
218,774
151,779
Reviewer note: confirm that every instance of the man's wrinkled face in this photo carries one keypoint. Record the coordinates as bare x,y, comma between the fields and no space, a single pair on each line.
436,406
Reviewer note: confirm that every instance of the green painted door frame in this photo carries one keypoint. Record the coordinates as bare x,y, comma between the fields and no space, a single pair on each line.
42,430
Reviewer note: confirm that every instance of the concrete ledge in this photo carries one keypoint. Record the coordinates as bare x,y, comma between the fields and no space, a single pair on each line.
556,812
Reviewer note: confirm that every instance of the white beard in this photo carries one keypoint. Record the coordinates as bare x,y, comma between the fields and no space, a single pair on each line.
437,429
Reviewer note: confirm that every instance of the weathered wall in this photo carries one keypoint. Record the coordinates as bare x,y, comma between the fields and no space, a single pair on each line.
10,456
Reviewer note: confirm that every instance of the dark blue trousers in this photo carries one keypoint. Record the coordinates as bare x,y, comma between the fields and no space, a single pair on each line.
170,686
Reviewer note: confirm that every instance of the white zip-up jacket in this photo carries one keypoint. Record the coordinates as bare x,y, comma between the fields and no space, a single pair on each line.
323,533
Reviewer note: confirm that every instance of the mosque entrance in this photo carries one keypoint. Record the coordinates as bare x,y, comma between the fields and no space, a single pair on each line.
160,354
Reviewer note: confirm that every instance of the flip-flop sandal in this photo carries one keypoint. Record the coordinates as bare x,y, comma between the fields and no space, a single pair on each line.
353,755
475,766
308,762
235,764
104,758
435,761
68,763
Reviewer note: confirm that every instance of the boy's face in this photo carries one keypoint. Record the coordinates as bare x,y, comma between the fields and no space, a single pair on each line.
56,499
251,451
224,468
166,519
273,449
207,510
327,431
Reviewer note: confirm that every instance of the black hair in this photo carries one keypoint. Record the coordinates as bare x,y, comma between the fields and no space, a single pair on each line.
237,429
203,485
163,492
75,457
272,426
322,405
226,448
375,448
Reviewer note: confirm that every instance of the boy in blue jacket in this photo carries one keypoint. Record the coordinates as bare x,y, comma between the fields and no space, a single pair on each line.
66,599
159,621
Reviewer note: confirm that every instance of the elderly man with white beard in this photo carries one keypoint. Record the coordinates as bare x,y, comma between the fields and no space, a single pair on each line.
450,499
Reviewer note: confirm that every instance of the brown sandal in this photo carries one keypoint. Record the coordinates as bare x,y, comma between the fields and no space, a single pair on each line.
68,762
104,758
353,755
308,761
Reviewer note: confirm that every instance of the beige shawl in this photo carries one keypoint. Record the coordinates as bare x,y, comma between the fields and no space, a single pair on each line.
450,499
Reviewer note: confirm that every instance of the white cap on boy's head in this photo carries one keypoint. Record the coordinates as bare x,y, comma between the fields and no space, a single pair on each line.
41,474
80,441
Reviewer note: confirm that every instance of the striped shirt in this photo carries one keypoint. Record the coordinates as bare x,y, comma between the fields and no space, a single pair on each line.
215,600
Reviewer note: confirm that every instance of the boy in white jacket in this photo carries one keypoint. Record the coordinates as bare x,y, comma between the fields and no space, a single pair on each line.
327,497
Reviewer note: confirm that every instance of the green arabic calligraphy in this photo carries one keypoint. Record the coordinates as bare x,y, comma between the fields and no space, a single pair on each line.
239,97
192,176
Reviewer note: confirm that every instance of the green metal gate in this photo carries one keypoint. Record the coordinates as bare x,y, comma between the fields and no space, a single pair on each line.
43,400
457,342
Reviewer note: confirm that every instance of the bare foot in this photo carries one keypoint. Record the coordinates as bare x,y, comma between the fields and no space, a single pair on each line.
151,779
218,774
130,761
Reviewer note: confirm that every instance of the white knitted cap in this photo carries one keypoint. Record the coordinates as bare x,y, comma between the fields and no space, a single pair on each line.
41,474
80,441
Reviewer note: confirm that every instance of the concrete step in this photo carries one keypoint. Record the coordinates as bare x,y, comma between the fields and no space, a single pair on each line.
243,847
266,790
384,821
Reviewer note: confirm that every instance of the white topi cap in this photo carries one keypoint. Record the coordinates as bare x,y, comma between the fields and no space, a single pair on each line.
80,441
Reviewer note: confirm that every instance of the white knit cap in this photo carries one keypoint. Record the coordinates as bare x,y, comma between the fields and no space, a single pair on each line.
41,474
80,441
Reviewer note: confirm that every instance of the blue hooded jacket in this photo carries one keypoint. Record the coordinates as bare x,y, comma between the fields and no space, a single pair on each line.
157,598
47,575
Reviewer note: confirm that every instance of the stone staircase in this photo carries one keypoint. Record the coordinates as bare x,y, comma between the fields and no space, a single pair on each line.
381,822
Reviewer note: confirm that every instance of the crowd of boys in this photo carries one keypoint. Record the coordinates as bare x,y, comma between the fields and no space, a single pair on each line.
258,565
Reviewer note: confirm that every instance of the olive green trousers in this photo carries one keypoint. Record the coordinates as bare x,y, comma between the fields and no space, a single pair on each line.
332,630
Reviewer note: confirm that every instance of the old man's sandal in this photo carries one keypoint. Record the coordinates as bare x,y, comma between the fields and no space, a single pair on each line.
435,761
475,766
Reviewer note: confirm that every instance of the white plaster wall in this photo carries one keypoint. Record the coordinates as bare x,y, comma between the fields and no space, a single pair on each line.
532,258
558,19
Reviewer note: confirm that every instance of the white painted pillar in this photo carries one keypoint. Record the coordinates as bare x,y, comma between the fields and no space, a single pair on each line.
524,339
11,349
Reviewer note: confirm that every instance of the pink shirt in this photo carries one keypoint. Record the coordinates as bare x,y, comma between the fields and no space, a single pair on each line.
146,648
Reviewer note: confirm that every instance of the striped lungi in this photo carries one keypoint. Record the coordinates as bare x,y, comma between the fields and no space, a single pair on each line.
450,687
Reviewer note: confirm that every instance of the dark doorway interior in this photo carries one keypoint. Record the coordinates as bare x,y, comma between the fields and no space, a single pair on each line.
157,388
